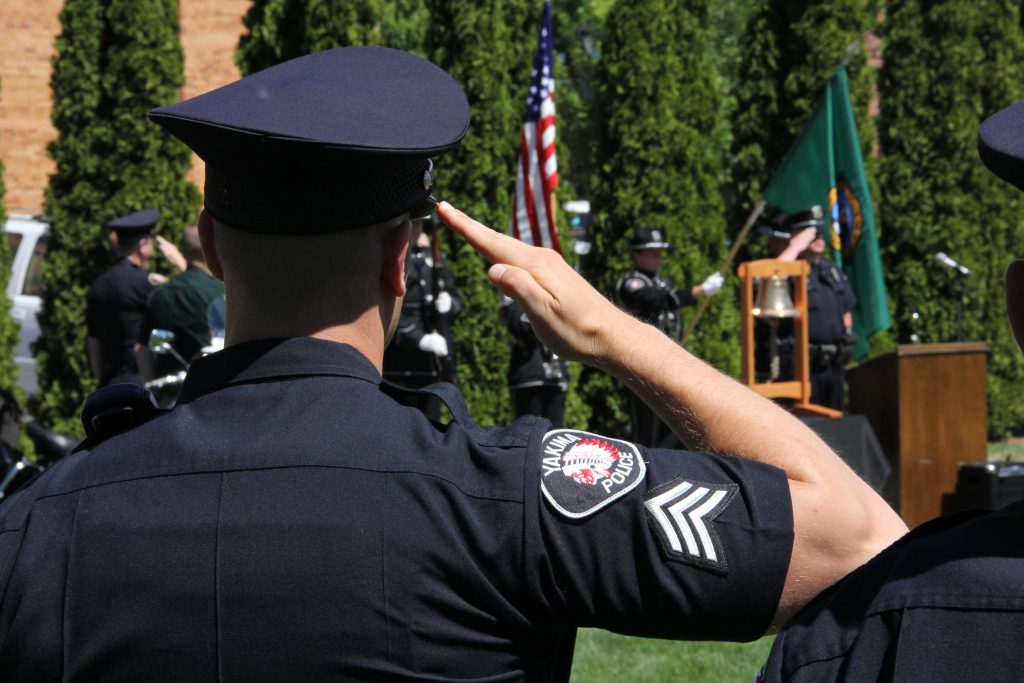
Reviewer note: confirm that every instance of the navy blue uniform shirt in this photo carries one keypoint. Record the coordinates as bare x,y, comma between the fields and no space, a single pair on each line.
290,520
653,299
113,314
829,296
944,603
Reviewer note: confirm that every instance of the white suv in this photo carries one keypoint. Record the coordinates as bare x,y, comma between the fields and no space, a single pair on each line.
28,237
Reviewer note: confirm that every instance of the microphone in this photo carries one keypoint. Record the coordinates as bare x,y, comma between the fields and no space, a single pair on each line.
950,263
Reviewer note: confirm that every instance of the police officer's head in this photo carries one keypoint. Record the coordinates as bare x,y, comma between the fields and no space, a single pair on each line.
313,170
133,234
785,227
1001,147
646,247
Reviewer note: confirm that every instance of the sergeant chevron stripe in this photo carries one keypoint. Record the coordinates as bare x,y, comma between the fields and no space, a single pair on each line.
681,514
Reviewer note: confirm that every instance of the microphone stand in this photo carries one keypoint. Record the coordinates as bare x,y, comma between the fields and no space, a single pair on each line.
959,288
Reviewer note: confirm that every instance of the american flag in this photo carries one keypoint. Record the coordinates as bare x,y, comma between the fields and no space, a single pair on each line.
533,219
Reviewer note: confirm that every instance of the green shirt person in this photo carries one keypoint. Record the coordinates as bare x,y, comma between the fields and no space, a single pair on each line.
182,303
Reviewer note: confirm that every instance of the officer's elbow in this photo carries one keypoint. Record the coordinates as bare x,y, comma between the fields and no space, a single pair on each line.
833,534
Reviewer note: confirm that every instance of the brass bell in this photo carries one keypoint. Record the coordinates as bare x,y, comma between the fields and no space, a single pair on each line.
773,299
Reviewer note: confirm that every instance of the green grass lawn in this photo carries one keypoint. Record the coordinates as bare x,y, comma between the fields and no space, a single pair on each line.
603,657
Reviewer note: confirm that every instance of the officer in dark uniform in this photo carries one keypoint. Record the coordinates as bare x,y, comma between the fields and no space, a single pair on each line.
293,518
537,378
830,304
946,602
652,298
117,300
422,350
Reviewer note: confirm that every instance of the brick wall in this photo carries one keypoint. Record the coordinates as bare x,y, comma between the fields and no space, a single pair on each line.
209,34
28,30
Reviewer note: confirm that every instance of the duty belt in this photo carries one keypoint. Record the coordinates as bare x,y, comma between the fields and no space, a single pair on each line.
824,352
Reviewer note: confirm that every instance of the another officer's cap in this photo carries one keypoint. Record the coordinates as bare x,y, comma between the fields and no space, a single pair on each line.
333,140
1001,144
135,224
785,225
648,238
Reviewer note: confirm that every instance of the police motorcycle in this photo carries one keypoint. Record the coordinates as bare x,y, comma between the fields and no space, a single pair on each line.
165,388
16,467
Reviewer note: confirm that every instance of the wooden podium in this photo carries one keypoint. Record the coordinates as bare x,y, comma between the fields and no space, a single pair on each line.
928,407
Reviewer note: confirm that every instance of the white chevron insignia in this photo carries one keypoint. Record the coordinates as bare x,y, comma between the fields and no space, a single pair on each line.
682,512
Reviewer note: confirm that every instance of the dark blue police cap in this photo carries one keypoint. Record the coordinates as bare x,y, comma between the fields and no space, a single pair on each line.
648,238
332,140
785,225
1001,144
136,223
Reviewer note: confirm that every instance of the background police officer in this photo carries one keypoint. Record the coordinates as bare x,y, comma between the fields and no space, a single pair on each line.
117,300
652,298
422,350
537,378
830,302
293,518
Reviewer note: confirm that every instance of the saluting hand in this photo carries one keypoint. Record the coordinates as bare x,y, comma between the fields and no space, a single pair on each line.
570,317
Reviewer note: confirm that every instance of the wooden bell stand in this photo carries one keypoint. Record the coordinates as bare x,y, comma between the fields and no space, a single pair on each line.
799,388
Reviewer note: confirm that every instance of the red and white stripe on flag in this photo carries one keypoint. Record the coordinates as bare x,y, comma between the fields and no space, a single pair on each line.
537,170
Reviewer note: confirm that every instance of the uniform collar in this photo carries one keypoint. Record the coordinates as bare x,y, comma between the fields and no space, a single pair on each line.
270,359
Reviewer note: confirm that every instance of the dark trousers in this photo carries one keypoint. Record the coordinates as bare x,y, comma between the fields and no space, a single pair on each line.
648,429
828,387
548,402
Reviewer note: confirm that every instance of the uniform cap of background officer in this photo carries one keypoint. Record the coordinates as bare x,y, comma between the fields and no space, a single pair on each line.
329,141
648,238
135,224
785,225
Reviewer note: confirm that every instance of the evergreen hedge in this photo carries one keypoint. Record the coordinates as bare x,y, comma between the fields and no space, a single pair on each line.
116,59
662,147
791,49
279,30
487,47
8,327
948,65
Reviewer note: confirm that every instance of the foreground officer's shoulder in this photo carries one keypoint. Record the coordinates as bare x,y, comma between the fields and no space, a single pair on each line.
114,409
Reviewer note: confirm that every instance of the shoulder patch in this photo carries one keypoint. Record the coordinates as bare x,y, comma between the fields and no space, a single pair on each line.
681,514
634,283
582,472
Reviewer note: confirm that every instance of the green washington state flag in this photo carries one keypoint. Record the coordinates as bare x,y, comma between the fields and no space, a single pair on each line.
825,167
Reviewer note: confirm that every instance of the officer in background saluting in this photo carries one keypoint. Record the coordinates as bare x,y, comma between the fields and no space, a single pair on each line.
653,299
422,351
537,378
117,300
830,302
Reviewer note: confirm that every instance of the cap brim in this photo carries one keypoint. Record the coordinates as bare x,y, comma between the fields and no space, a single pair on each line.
651,245
1001,144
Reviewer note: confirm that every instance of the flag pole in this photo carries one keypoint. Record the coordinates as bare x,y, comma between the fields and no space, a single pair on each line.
726,265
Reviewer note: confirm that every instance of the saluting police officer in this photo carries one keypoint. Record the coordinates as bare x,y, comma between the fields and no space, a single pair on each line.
117,300
538,379
422,350
293,518
830,304
648,295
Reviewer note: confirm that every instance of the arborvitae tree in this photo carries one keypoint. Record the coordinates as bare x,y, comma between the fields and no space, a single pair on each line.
487,47
279,30
792,48
116,59
947,66
8,328
662,148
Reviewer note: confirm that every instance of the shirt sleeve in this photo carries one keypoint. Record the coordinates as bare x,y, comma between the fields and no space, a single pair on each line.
697,549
